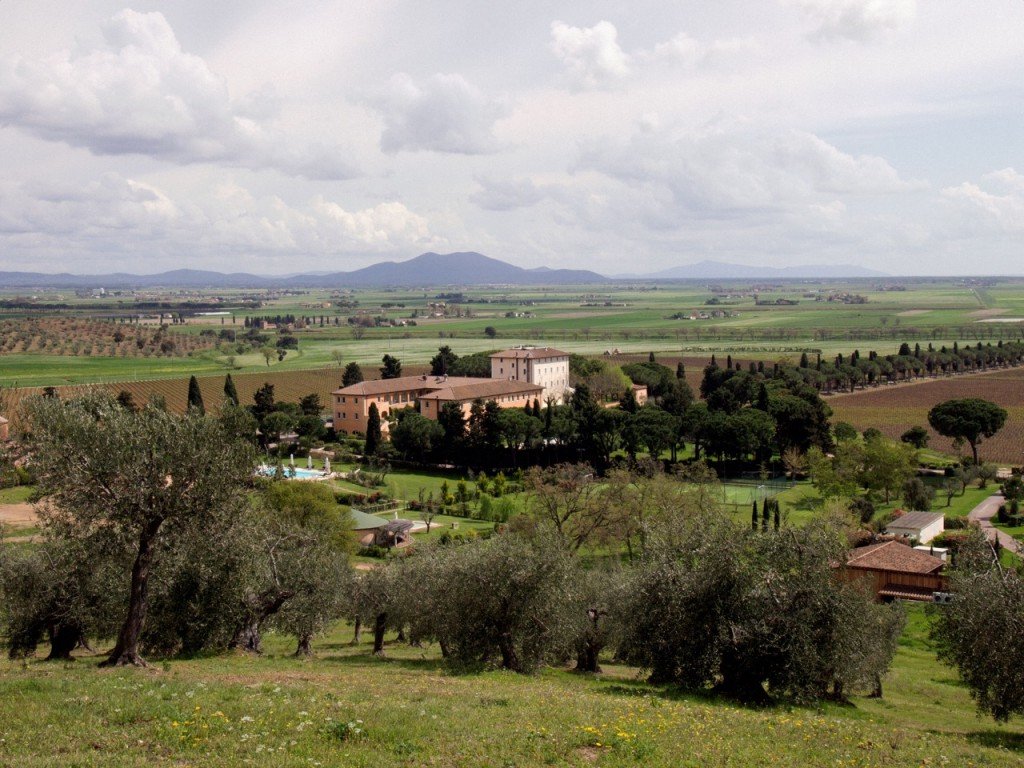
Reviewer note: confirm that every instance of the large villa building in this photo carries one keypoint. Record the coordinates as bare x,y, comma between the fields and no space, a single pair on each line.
535,365
518,377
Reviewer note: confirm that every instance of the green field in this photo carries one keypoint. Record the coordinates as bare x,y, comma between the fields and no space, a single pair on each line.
234,710
584,319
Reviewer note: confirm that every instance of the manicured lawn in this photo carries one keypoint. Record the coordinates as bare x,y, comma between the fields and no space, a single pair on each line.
406,485
19,494
960,506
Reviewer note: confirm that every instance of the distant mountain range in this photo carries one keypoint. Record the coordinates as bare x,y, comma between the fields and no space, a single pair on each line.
428,269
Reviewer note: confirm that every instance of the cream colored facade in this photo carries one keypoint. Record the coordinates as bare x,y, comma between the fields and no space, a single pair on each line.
507,394
542,366
351,405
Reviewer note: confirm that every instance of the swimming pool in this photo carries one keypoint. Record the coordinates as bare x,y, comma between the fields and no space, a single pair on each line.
297,473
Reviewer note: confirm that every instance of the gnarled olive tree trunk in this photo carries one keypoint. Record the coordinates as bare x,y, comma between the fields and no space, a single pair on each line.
126,650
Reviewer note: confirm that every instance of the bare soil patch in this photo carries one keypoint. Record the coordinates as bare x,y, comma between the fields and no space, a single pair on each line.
990,312
18,515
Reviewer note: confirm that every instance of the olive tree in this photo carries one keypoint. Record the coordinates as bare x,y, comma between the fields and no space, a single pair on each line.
979,631
302,565
756,614
145,478
60,592
508,601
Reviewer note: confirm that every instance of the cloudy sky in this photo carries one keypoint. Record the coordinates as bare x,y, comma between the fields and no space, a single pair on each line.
276,137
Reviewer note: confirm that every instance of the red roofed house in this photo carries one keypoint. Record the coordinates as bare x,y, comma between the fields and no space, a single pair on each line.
897,571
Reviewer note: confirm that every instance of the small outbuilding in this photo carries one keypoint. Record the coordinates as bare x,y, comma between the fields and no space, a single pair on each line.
920,527
897,571
365,527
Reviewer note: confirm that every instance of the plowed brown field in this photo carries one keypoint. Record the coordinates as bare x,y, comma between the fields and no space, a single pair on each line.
895,409
289,386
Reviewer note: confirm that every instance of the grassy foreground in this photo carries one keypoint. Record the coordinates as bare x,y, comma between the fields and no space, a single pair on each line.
346,708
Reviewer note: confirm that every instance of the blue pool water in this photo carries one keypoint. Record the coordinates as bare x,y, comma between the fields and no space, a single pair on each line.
301,473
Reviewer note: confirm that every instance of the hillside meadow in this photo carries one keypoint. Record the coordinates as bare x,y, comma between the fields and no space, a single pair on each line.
348,708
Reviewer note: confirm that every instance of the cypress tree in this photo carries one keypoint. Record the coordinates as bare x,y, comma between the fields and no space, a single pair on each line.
680,370
762,397
765,514
804,362
650,357
229,390
778,514
195,397
753,517
372,431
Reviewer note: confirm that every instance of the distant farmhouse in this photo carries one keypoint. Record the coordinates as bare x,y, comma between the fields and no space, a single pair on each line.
518,377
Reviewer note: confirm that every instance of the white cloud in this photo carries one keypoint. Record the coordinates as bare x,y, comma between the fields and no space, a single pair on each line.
506,195
718,174
116,214
856,19
444,113
111,203
692,53
591,55
981,208
140,93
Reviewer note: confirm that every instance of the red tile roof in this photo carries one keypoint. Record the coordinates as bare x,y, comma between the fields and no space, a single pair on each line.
485,389
893,556
403,384
532,353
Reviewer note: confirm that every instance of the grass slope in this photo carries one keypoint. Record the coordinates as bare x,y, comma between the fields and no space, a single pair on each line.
236,710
